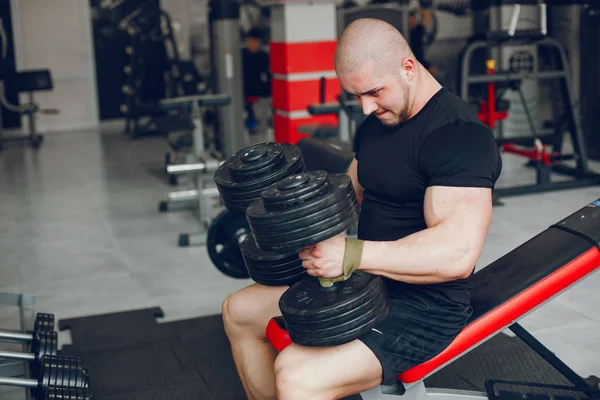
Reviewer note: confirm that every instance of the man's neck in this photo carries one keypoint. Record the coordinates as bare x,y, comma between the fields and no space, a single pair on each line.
427,88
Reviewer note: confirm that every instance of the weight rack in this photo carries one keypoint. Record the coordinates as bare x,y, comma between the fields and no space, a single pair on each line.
26,304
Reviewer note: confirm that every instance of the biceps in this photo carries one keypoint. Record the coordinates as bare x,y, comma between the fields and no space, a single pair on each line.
465,210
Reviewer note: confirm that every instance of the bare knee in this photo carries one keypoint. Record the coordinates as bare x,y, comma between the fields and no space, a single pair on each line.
237,311
293,380
247,311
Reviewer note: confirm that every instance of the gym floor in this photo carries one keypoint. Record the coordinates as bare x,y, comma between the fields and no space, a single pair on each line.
80,230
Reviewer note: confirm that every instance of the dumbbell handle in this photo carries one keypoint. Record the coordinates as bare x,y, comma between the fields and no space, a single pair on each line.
19,382
16,336
17,356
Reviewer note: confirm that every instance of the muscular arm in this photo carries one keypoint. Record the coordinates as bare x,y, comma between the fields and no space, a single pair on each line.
353,174
457,220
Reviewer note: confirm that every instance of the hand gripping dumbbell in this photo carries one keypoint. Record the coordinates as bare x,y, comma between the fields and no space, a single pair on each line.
298,212
43,344
43,323
55,372
240,181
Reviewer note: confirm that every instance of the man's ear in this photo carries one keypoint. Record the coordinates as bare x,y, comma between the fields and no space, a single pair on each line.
409,68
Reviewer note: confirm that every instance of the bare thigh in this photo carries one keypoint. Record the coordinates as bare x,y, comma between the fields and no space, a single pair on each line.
251,308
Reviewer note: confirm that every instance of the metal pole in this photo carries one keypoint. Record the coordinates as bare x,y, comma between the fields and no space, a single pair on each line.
225,28
19,382
16,336
12,355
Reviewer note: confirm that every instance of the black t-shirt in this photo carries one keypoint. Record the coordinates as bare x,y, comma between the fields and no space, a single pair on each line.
256,73
445,144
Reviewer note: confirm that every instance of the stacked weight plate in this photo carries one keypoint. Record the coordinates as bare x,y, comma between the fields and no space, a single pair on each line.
318,316
303,210
271,269
240,181
242,178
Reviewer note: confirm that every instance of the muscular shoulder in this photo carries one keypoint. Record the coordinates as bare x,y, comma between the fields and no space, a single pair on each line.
460,153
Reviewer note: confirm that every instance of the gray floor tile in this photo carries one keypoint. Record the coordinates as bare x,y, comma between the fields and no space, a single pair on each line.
74,297
576,344
583,298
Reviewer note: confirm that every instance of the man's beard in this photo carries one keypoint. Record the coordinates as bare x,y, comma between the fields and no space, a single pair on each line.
403,116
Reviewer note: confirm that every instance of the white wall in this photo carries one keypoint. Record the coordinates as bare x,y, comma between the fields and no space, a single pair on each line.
56,35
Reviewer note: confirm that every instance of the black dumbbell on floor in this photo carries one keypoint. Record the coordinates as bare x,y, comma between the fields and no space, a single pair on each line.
44,344
43,323
63,393
54,372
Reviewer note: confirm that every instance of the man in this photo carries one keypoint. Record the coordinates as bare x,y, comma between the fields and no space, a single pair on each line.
257,82
424,173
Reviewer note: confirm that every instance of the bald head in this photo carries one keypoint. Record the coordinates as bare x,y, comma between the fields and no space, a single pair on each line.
370,41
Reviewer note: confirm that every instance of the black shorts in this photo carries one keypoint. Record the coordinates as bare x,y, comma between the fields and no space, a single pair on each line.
421,324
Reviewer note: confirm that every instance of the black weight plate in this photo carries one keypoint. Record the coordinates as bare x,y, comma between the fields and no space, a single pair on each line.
340,187
43,322
63,393
340,323
317,215
270,269
343,327
253,254
45,344
278,272
255,158
313,238
308,301
350,312
238,176
256,185
223,239
310,224
355,330
285,280
295,189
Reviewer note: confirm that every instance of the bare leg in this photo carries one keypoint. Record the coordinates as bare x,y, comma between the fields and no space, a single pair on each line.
245,315
326,373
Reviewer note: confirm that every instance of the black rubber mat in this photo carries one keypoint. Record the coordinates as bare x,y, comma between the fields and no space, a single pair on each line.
118,330
138,368
502,357
187,391
131,356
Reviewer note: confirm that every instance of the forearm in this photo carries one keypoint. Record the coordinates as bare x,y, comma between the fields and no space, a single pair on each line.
433,255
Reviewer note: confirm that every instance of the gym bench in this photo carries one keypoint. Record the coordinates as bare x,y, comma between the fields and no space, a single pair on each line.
503,293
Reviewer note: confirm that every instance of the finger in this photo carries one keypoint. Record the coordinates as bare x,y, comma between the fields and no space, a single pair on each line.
307,264
304,254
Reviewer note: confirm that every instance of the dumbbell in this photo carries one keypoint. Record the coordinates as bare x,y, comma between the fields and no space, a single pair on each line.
55,372
42,323
43,344
65,393
298,212
240,181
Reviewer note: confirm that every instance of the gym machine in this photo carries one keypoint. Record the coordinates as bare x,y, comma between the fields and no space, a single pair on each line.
197,168
151,32
534,147
349,115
